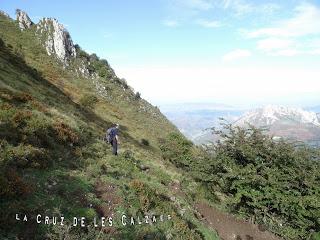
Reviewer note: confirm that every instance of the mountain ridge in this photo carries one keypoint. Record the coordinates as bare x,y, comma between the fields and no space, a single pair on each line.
269,114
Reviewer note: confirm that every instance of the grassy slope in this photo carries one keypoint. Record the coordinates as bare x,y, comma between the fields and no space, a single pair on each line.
52,155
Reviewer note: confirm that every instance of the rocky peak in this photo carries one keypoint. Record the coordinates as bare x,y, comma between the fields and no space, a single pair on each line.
271,114
23,19
56,39
4,14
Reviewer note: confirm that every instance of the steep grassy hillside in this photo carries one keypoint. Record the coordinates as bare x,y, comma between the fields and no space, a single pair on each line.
54,162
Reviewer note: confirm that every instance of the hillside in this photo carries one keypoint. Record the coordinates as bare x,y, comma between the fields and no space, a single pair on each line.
56,101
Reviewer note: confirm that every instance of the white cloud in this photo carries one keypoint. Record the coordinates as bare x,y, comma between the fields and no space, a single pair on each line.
208,24
306,21
269,44
268,8
314,52
108,35
290,37
236,54
240,7
171,23
197,4
244,7
223,83
286,52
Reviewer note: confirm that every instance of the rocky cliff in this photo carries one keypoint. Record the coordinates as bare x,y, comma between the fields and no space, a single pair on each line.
52,34
56,39
23,20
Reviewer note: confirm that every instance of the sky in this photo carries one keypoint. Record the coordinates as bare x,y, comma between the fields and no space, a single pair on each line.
237,52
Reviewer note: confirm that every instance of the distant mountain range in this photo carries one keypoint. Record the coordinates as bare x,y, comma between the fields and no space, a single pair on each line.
193,119
270,115
291,123
285,122
314,109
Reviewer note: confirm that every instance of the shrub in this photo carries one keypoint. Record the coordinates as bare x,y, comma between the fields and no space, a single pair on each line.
24,156
137,96
12,185
83,54
20,118
124,83
315,236
263,178
145,142
177,149
88,100
128,154
65,133
147,197
23,97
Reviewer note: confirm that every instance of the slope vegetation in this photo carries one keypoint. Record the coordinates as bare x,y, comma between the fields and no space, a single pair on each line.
54,162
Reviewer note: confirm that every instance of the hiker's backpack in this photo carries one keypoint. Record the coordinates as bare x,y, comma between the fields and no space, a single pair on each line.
110,134
108,137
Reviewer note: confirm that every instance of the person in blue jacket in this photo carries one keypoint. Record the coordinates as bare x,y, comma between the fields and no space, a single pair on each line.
112,137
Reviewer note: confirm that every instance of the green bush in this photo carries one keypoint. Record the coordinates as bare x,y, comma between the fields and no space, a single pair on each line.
25,156
88,100
12,185
137,96
259,177
315,236
265,180
177,149
145,142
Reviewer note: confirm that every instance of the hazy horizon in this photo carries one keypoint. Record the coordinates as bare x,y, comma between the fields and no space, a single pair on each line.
314,101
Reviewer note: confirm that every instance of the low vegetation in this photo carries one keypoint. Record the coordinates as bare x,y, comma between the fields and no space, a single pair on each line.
273,184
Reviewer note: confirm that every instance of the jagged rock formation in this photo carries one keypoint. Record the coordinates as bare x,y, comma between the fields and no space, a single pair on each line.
56,39
23,20
270,115
4,14
58,43
284,122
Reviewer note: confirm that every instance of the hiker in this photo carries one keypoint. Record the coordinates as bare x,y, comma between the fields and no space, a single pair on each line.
113,139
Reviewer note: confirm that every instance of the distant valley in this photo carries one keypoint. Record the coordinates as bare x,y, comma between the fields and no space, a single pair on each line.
195,119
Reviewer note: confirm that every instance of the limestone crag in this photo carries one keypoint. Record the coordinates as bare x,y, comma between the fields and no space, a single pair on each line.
56,39
58,43
23,20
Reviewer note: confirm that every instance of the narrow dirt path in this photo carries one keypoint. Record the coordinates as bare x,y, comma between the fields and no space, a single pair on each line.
230,228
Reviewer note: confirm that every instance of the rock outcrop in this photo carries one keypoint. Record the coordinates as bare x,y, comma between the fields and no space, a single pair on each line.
4,14
56,39
23,20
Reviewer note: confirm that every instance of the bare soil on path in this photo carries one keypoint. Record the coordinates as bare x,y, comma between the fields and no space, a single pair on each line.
230,228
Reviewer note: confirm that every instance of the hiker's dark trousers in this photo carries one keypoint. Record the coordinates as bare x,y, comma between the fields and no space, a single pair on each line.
114,145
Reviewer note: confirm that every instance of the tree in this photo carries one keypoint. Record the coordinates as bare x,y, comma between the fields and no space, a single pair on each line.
137,96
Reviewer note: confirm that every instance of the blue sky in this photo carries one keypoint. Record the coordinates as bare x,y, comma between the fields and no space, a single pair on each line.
239,52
